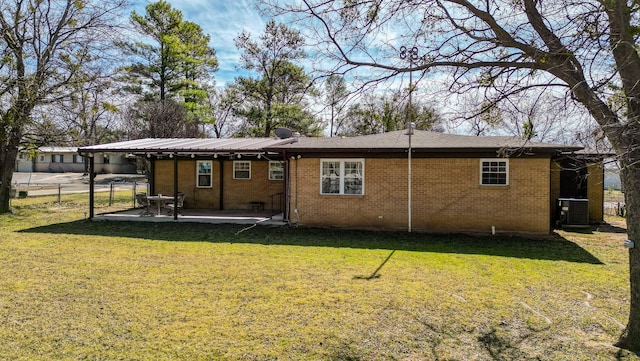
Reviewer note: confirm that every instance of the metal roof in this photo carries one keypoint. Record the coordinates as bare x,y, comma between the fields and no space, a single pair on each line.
425,140
187,145
56,149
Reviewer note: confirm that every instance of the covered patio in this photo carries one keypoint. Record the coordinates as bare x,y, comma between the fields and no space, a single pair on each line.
220,180
199,216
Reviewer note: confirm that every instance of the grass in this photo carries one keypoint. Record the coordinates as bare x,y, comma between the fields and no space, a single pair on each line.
614,196
72,289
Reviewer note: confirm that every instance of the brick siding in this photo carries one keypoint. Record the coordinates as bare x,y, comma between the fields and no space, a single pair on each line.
595,192
446,195
238,193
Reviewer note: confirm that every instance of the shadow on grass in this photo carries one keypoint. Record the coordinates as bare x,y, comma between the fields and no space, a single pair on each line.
553,248
609,228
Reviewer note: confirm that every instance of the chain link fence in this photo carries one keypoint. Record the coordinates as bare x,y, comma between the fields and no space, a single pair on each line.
614,203
120,195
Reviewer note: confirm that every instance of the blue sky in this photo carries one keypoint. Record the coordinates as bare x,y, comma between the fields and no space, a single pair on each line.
223,21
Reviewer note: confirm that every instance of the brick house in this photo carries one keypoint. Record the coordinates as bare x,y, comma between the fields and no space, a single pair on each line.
458,183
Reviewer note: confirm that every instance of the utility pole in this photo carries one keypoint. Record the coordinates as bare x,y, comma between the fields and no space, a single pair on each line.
411,55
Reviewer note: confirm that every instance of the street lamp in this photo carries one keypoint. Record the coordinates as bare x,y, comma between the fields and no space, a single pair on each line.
411,55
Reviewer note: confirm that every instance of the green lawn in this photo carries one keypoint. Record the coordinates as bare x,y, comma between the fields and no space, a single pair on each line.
72,289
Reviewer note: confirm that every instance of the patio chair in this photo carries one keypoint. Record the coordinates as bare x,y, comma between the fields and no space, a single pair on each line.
177,206
143,202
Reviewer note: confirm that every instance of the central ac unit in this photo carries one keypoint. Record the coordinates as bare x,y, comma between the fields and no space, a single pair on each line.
574,211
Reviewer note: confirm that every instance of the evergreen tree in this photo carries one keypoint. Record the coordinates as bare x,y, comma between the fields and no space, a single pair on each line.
276,97
177,65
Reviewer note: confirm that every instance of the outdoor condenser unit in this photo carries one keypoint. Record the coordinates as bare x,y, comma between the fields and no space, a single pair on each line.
573,211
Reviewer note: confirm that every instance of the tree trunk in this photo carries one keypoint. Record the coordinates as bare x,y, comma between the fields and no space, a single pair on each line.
8,155
630,175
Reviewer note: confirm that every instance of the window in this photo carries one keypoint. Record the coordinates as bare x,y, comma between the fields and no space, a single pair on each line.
203,178
57,158
77,158
276,170
342,176
241,169
106,159
494,172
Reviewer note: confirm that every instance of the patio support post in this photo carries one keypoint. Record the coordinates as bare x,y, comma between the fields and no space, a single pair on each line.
221,190
175,186
92,178
287,187
151,176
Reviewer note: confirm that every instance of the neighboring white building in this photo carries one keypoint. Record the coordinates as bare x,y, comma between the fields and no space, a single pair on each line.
612,175
67,160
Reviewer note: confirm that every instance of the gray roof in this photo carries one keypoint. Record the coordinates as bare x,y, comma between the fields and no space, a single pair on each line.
56,149
187,145
425,140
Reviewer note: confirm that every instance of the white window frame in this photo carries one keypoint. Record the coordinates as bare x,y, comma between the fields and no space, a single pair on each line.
198,174
238,162
341,176
77,158
279,171
506,172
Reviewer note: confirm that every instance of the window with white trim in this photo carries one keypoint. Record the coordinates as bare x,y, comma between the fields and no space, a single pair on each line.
276,170
494,172
204,174
77,158
57,158
241,169
342,176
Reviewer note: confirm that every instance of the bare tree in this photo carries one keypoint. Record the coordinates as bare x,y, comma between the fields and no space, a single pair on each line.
586,49
157,119
44,45
539,117
335,97
89,114
223,104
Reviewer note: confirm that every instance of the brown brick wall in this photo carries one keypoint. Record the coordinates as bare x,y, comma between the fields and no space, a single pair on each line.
237,193
446,196
595,192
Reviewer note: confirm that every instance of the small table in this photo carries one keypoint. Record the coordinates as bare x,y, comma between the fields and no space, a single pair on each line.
159,200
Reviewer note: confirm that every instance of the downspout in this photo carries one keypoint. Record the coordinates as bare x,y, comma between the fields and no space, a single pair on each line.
92,177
